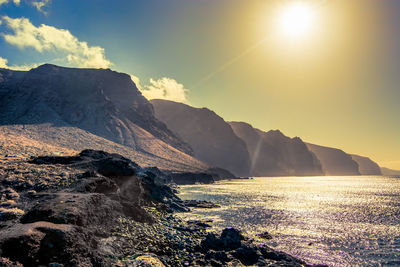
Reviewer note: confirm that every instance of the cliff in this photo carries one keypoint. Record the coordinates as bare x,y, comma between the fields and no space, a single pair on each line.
212,139
334,161
274,154
366,166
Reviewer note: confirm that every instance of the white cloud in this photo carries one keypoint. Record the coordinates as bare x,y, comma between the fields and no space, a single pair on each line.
136,80
39,5
4,64
165,88
48,38
17,2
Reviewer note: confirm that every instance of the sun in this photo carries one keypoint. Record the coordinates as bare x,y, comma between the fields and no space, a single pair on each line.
296,19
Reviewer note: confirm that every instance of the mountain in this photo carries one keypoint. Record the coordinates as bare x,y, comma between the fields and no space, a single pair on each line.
334,161
212,139
386,171
274,154
91,102
366,166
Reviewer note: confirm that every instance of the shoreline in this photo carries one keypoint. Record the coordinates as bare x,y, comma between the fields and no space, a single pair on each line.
101,209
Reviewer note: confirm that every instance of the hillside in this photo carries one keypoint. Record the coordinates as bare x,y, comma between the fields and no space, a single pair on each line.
212,139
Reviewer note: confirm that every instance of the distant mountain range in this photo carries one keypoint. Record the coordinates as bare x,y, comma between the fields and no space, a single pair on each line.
271,153
68,109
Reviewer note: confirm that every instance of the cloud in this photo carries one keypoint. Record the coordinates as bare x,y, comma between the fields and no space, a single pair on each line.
4,64
16,2
165,88
136,80
48,38
39,5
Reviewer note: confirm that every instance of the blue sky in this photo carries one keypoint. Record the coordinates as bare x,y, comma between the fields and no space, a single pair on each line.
338,88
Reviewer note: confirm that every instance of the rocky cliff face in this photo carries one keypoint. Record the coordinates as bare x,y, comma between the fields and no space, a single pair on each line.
274,154
101,102
366,166
387,171
211,138
335,161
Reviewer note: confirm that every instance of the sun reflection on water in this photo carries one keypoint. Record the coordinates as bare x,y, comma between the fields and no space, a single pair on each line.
338,221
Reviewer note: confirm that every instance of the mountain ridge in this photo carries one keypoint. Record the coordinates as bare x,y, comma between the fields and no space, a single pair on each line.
274,154
210,136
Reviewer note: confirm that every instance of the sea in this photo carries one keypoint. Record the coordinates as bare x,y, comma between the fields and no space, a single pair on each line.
338,221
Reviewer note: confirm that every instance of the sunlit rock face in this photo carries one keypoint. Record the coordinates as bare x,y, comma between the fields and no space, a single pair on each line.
211,138
100,101
335,161
274,154
366,166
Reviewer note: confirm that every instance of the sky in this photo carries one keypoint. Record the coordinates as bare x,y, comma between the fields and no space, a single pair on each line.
336,85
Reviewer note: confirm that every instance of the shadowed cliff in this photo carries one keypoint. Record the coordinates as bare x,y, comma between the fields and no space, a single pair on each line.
274,154
334,161
211,138
366,166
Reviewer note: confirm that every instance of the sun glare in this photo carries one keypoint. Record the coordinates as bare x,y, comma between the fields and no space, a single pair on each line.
296,19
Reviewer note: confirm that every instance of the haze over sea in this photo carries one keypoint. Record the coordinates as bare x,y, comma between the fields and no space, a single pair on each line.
339,221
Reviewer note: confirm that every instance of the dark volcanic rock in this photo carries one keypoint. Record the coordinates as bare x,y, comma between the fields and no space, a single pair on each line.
104,163
230,239
201,204
265,235
192,178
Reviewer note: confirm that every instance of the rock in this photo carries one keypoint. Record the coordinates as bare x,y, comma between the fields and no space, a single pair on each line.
109,173
271,254
248,255
40,242
4,262
98,185
73,208
10,214
185,178
200,204
211,242
9,193
199,223
94,160
146,260
219,173
231,238
265,235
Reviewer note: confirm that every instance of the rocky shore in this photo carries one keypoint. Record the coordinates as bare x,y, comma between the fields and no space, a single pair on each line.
101,209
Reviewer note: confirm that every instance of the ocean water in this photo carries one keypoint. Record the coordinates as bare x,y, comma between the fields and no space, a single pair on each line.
339,221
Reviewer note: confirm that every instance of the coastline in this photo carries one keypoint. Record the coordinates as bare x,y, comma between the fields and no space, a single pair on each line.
101,209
